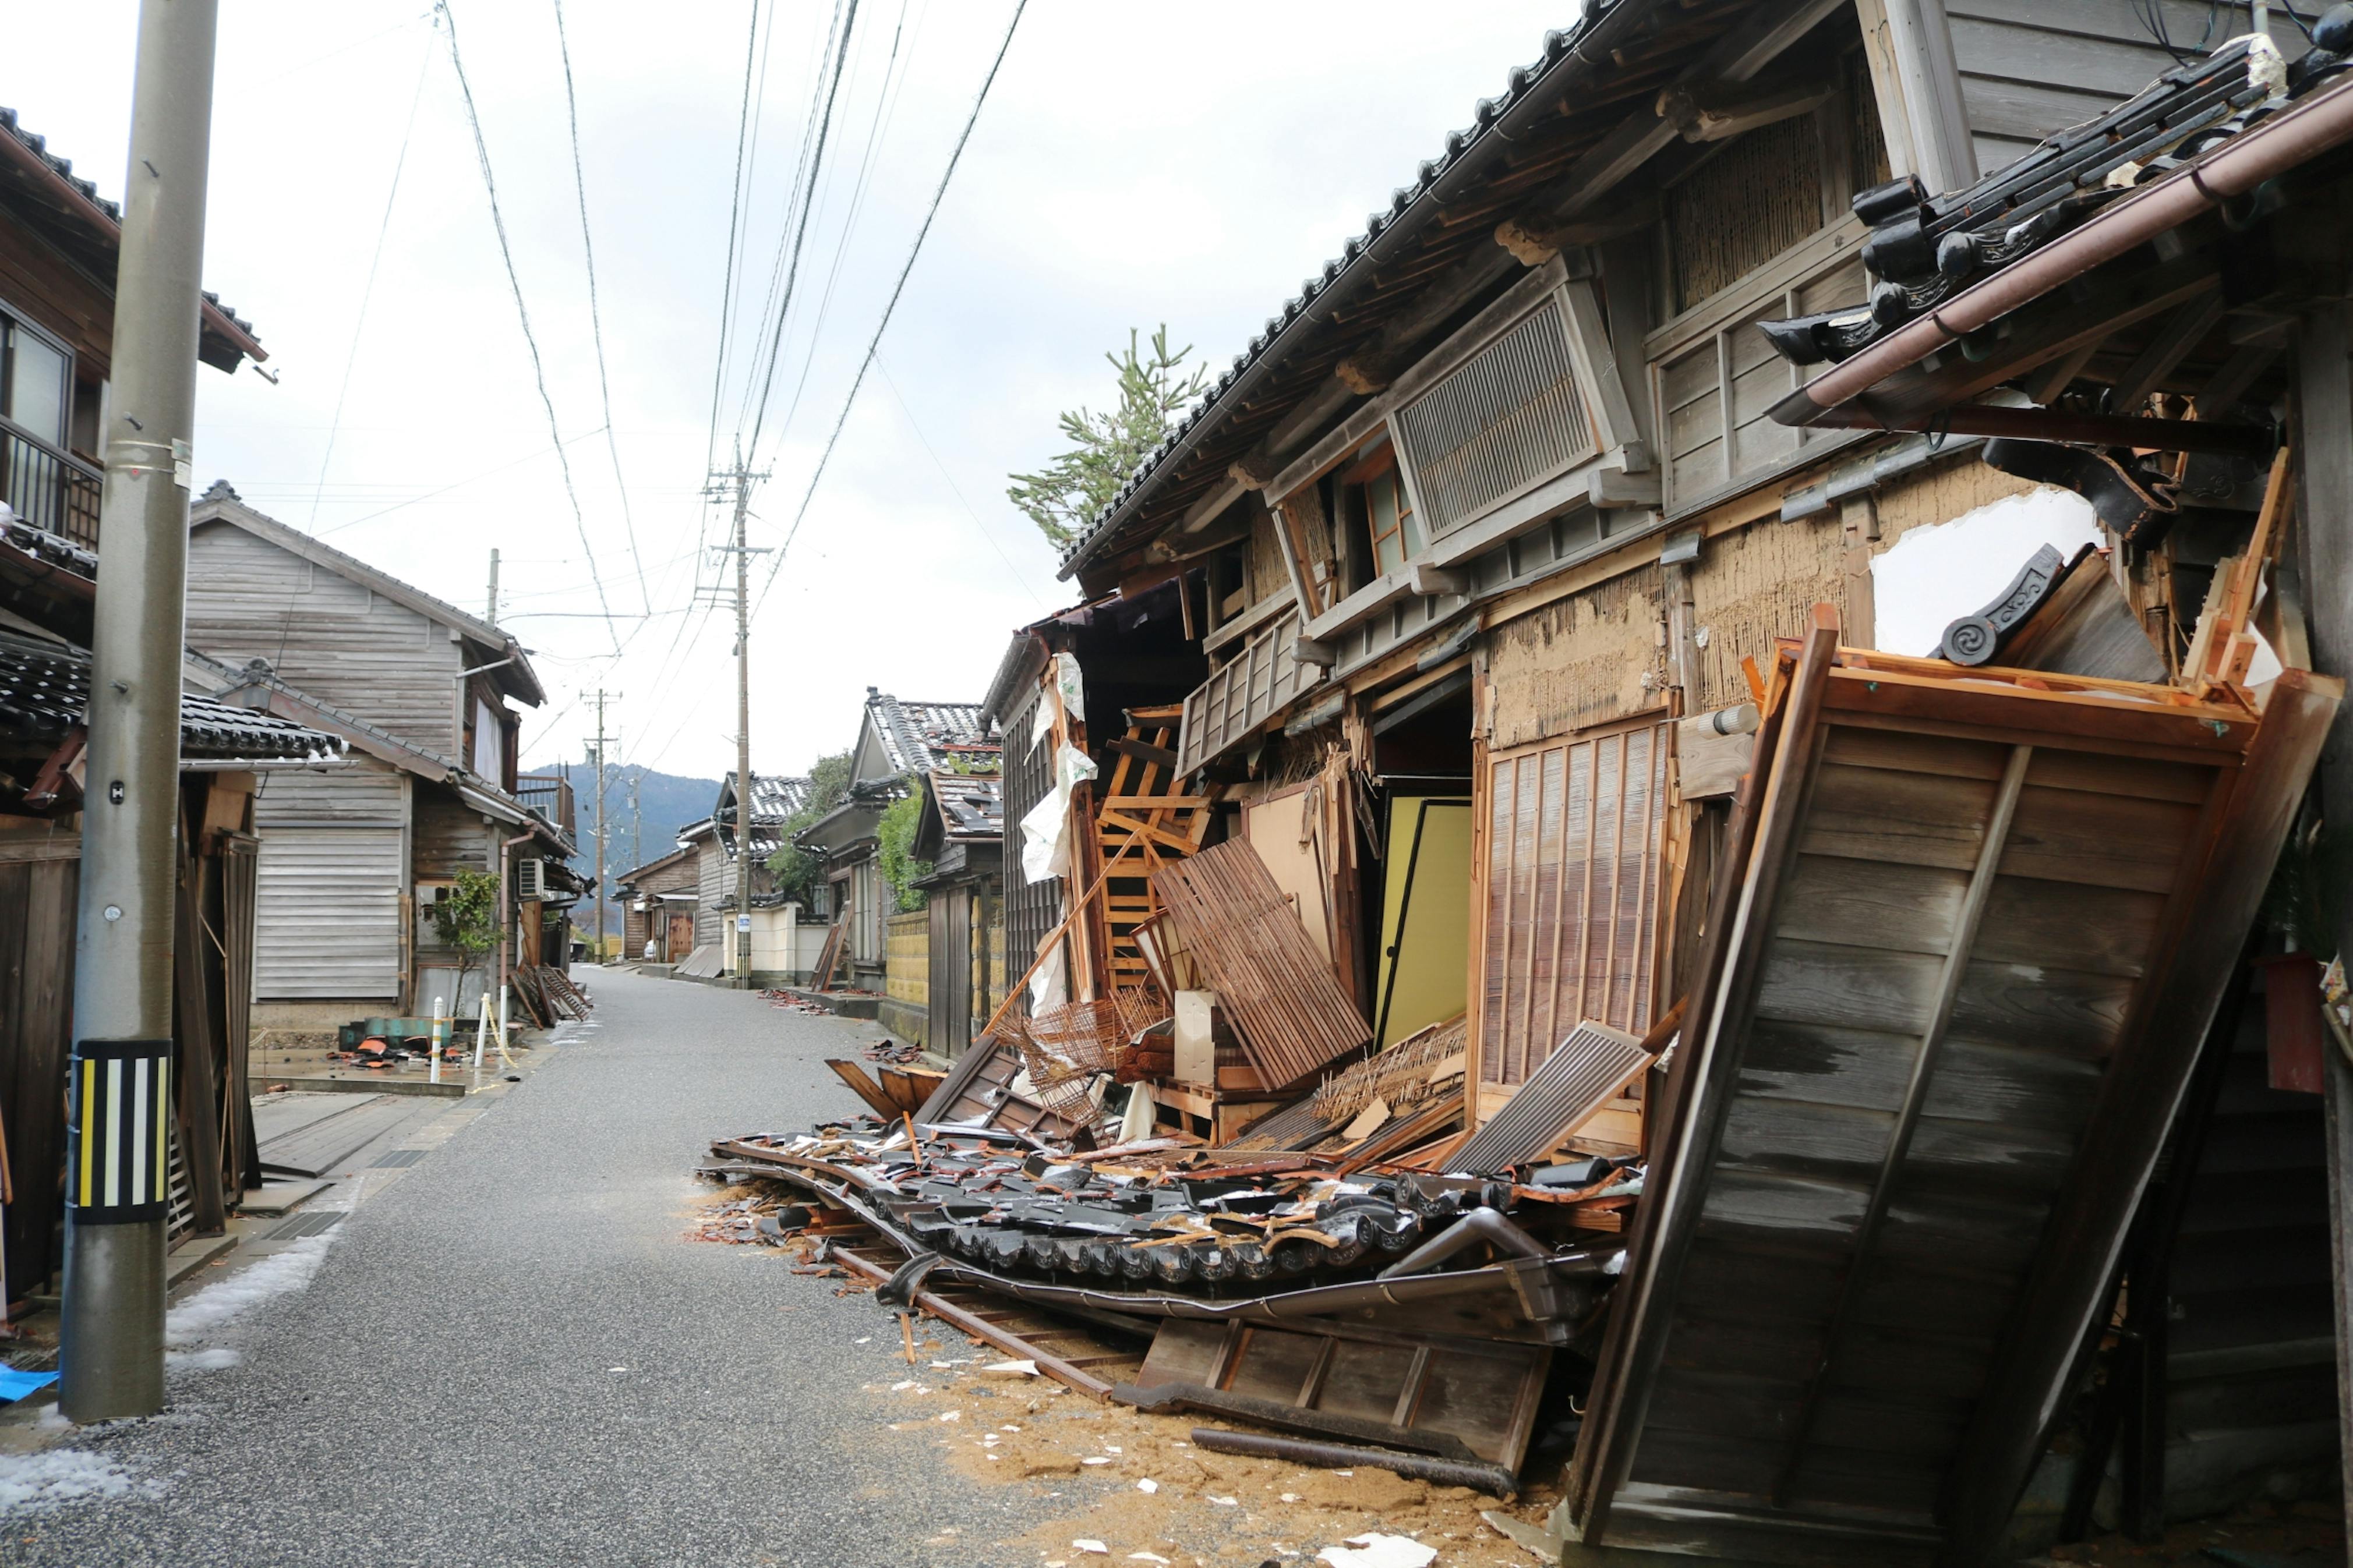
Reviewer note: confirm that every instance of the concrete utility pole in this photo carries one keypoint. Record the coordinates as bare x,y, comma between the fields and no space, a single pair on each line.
744,810
636,817
737,481
600,825
491,617
112,1329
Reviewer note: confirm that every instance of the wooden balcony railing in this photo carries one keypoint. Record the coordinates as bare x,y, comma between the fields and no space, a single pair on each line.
47,488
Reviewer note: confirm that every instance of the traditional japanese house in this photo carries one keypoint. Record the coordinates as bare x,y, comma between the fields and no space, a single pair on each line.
657,907
960,834
897,742
59,240
226,752
1492,537
722,874
353,860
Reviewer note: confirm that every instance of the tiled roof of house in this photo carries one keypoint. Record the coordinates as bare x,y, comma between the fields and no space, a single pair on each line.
109,213
920,736
774,798
45,692
1560,47
972,805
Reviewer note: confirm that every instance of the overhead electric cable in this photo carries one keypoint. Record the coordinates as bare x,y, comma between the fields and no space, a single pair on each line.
734,223
904,407
885,101
522,313
800,231
595,316
460,484
913,251
367,290
793,192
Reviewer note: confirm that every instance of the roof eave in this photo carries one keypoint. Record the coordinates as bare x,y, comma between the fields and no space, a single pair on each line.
1403,222
225,329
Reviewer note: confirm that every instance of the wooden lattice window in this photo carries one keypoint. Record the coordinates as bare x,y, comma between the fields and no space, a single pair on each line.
1573,830
1510,416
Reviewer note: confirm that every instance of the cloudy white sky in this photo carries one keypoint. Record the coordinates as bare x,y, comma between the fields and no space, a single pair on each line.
1134,163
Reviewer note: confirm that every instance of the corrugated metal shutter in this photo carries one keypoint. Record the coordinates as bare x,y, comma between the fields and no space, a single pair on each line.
1573,840
327,921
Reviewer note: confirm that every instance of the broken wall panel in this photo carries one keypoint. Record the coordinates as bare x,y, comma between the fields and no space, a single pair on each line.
1462,1399
1573,831
1591,659
1750,586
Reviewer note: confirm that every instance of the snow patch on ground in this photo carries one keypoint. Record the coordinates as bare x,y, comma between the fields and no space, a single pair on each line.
188,1325
31,1482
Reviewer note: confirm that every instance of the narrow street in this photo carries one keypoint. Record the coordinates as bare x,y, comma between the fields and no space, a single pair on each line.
510,1355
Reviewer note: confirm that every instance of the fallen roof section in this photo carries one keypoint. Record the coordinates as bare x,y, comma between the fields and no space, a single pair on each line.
1940,1028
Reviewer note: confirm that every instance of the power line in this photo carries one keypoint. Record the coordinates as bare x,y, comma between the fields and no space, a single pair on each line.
522,313
595,316
734,221
885,103
367,290
793,195
800,230
461,484
913,251
904,407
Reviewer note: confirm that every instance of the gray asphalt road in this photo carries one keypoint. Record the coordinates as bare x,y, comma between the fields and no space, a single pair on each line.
445,1390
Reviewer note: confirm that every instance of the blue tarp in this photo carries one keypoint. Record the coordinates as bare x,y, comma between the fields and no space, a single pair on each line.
14,1385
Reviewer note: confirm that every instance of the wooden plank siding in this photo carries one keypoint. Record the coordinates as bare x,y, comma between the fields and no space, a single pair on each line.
712,883
39,885
2029,67
323,634
448,837
54,293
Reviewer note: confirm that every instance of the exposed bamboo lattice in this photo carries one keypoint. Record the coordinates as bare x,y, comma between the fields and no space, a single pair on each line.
1287,1006
1402,1077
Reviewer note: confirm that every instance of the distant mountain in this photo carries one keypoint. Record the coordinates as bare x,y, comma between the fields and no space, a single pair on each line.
643,812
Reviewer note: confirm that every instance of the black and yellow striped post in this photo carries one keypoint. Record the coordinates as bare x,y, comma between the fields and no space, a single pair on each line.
118,1150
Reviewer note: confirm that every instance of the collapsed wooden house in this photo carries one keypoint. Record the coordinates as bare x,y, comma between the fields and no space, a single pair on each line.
1456,602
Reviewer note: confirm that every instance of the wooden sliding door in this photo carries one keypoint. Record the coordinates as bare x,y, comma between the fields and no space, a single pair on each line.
1571,831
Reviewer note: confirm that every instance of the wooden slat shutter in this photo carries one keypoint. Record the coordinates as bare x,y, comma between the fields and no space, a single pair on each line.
1573,840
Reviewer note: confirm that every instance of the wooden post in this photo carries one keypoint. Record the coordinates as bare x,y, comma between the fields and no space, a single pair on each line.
2324,443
